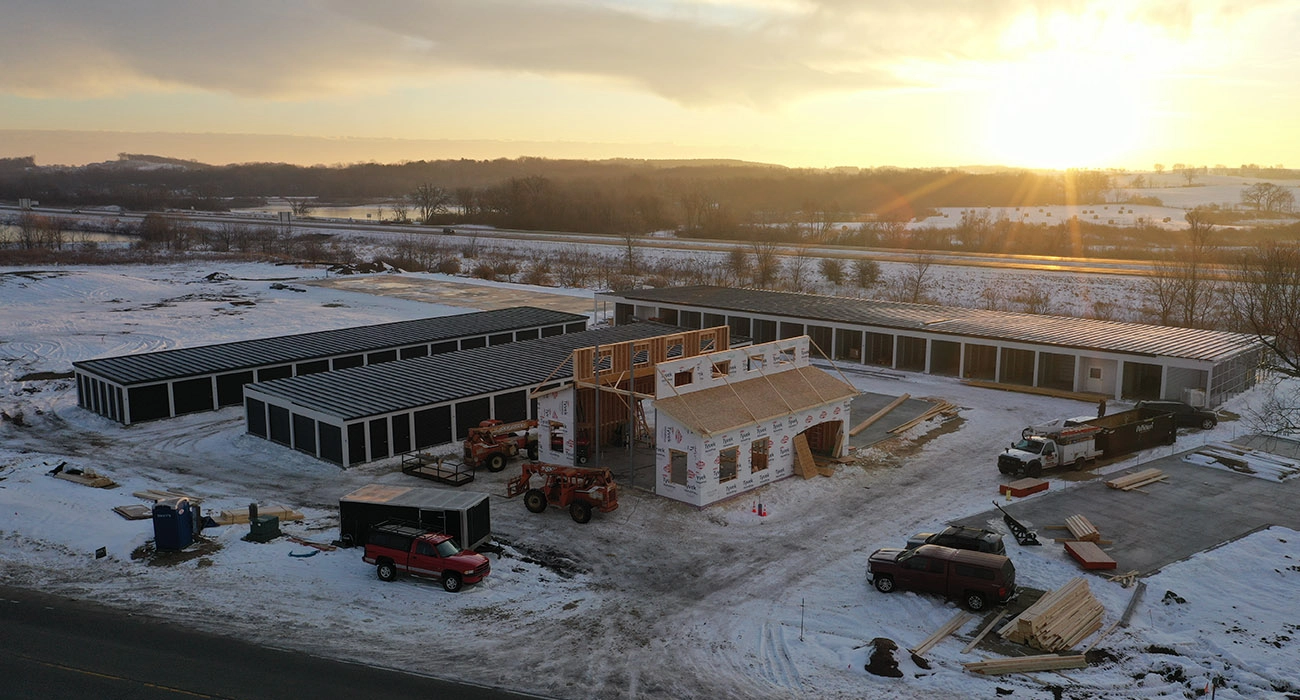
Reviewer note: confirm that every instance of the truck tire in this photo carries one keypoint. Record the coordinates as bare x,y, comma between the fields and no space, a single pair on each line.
1208,423
535,500
451,581
580,511
1035,469
386,569
1079,463
496,462
884,584
974,601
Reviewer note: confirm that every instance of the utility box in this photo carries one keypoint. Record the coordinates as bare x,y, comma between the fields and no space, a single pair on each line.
263,528
465,515
173,524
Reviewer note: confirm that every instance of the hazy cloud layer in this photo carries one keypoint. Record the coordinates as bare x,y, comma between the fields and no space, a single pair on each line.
755,52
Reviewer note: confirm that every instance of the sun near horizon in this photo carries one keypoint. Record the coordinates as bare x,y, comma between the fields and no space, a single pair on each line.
803,83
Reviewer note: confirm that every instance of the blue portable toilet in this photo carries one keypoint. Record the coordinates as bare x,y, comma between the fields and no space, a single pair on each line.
173,524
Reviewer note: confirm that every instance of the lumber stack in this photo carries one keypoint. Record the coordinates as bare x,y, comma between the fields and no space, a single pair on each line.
1262,465
87,477
946,408
1026,664
1128,482
162,495
1059,620
1082,529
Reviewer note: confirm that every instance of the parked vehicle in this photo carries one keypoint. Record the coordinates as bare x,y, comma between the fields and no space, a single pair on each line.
1075,442
494,443
959,537
1185,415
395,547
977,579
577,488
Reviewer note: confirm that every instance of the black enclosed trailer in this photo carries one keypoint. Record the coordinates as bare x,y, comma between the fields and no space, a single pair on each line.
464,515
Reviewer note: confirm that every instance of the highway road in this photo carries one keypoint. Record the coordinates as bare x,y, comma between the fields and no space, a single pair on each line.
617,243
53,648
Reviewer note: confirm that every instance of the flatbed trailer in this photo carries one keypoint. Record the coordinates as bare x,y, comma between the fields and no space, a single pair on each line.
438,468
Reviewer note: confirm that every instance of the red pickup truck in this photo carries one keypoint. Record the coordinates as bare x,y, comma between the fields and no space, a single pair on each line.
393,547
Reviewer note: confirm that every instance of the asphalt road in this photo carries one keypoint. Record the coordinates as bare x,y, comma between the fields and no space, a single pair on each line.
52,648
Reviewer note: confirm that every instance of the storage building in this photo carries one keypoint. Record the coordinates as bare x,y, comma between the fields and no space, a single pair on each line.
1108,358
148,386
369,413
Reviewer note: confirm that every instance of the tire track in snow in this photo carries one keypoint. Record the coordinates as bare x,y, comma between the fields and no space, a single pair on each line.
775,656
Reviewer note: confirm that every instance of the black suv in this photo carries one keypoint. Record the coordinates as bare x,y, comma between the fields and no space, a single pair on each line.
1185,415
958,537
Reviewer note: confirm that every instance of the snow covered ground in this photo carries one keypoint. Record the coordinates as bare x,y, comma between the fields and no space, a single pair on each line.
654,600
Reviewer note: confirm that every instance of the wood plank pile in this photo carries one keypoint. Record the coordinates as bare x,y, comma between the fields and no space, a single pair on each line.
86,477
1089,555
1059,620
160,495
1136,480
1261,465
1082,529
956,623
1026,664
945,408
1125,579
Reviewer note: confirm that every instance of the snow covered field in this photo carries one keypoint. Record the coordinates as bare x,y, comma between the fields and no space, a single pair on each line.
654,600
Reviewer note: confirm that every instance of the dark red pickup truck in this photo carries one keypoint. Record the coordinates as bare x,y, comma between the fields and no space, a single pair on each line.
394,547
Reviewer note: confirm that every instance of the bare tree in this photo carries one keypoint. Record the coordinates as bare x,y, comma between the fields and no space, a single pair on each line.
401,214
430,201
766,264
738,266
1161,287
797,267
1196,255
1265,298
630,253
914,277
301,206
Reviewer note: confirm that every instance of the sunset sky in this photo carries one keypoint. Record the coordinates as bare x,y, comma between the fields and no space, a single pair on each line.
806,83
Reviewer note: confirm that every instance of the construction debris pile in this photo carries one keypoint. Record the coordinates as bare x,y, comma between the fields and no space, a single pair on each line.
1059,620
1261,465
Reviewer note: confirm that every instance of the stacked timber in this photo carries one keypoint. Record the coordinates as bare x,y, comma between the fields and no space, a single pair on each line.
1081,529
1026,664
1128,482
945,408
1059,620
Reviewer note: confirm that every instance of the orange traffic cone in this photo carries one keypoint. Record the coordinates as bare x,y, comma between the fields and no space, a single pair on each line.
754,508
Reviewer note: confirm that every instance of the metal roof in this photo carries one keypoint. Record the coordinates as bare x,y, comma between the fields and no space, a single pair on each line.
390,387
1059,331
261,352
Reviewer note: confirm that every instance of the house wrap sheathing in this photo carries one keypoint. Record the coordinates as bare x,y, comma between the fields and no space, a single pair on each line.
726,421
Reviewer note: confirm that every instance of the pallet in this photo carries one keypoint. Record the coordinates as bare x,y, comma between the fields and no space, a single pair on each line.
1089,555
1023,487
88,478
1026,664
1129,482
134,511
1081,529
